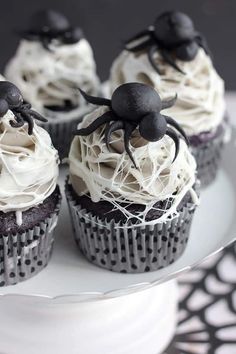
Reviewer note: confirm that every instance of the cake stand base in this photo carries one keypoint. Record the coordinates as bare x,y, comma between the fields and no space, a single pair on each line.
142,322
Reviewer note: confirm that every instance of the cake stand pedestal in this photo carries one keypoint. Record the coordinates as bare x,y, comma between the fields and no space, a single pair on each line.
143,322
75,307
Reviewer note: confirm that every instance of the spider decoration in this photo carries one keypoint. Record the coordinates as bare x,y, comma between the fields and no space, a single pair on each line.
11,98
49,25
173,35
135,105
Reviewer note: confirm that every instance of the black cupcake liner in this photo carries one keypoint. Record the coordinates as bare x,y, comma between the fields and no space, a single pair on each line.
208,157
130,248
62,134
23,255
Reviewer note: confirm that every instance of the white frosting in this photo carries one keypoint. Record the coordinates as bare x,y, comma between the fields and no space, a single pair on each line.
200,105
28,167
111,175
48,78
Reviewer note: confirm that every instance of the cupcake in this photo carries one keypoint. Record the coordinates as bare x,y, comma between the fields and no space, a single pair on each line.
54,59
172,56
132,184
29,195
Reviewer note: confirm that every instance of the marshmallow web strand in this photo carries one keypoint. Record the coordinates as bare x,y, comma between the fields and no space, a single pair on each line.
111,176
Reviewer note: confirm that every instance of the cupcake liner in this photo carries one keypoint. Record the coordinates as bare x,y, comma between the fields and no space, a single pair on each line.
130,248
23,255
61,133
208,157
61,127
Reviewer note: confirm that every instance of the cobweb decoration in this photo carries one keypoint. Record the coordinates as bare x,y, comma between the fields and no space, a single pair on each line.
28,166
111,176
200,105
51,78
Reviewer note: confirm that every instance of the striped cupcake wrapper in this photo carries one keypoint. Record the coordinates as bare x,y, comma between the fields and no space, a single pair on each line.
62,134
135,249
23,255
208,157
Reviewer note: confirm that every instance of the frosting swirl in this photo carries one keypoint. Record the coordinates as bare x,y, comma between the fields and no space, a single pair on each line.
28,166
111,176
51,78
200,105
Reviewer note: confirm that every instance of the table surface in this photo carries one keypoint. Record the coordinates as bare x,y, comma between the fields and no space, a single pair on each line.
207,310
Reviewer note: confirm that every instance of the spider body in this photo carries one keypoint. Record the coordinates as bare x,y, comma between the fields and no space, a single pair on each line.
11,98
48,25
134,105
173,35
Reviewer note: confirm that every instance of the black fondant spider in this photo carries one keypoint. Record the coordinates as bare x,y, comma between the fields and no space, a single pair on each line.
134,105
11,98
173,35
48,25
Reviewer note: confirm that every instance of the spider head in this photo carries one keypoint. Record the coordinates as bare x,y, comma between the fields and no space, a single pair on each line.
132,101
174,28
48,22
11,95
153,127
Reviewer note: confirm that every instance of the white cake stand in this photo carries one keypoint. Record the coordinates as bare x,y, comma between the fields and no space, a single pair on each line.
77,308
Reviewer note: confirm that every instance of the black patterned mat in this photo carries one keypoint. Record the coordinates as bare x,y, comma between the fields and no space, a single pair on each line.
207,313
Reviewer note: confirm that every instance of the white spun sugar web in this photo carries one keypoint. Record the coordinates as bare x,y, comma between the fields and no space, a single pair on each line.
111,176
28,168
54,78
200,105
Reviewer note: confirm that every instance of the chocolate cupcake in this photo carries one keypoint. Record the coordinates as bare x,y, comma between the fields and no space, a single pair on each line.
54,59
131,197
172,56
29,195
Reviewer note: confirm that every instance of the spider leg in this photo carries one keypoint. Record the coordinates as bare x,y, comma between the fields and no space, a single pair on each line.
151,52
168,58
45,43
174,124
110,128
36,115
103,119
169,103
172,134
25,106
129,128
16,124
26,35
19,120
201,41
29,120
139,35
140,46
100,101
